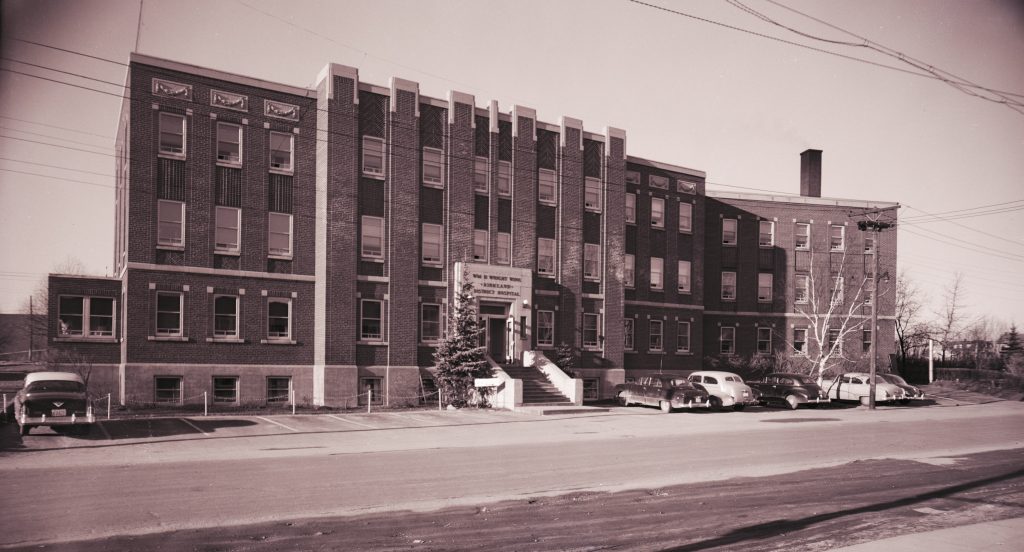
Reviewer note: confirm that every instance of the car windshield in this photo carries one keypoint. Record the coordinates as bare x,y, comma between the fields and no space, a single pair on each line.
55,386
893,378
804,380
679,382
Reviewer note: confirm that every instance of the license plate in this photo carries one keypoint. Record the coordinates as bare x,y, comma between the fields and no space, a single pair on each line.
59,412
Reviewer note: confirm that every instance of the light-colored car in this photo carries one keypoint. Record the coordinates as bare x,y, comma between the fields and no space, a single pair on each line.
726,389
913,392
53,399
856,386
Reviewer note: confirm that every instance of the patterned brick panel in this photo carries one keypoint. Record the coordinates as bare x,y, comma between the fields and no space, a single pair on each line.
569,324
614,248
524,195
404,238
460,209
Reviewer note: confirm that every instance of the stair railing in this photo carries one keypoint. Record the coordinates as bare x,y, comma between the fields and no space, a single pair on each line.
572,388
509,393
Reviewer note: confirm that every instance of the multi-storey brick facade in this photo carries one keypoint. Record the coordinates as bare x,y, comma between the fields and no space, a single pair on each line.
274,240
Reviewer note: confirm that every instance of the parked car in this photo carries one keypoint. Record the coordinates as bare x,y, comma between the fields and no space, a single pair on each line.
53,399
913,392
789,389
726,389
856,386
663,390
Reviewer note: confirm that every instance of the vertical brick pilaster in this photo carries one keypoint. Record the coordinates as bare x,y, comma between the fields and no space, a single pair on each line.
570,232
493,156
524,187
614,243
459,185
337,184
403,204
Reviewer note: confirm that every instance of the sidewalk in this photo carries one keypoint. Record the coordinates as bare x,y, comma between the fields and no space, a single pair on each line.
1006,534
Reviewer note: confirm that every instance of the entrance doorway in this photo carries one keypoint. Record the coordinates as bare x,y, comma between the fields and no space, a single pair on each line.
496,339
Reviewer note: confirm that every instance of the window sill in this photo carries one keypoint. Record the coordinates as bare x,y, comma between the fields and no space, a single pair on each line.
548,203
280,257
655,352
372,343
631,223
592,279
728,299
435,185
505,194
430,343
684,291
592,348
689,231
658,289
224,340
227,253
166,247
766,246
728,244
229,164
177,338
167,155
798,248
433,264
285,172
278,342
684,353
834,250
374,176
85,339
630,352
653,227
548,275
592,210
372,259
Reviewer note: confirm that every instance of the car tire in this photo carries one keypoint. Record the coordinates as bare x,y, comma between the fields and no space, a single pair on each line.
666,407
792,402
716,403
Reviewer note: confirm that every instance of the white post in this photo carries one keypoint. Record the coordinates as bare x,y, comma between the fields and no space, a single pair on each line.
5,405
292,393
108,406
931,362
369,399
205,410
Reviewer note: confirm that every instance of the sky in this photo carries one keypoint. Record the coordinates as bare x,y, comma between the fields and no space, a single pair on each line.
735,88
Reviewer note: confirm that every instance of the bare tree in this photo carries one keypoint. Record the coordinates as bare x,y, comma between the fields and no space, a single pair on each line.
910,330
982,333
950,317
831,314
69,361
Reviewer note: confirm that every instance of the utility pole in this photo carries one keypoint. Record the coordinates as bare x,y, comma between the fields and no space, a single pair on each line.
31,328
876,227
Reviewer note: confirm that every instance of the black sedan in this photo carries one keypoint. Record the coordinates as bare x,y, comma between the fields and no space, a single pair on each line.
665,391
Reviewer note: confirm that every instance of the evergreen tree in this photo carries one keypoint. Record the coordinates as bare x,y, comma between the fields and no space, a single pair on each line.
566,359
459,357
1012,341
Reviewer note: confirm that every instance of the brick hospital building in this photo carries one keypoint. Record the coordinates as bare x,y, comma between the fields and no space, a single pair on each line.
272,238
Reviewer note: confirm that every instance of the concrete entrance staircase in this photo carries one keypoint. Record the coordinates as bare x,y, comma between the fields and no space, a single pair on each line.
537,388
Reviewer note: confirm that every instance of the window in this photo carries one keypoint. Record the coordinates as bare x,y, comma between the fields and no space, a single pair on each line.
279,234
546,186
430,322
766,233
764,287
630,208
167,390
431,254
480,245
370,320
683,337
281,150
279,319
373,157
764,341
866,341
869,291
656,342
170,224
481,176
545,328
629,270
800,341
835,341
172,135
433,167
657,212
504,178
658,182
591,261
837,290
279,389
685,217
374,387
686,187
592,194
657,273
225,390
504,246
225,316
545,256
229,224
627,333
728,231
633,177
728,286
684,276
591,389
590,324
802,234
727,340
838,238
801,285
869,244
229,144
86,316
372,239
168,313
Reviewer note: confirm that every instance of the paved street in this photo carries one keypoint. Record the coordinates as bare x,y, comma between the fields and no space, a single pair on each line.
147,476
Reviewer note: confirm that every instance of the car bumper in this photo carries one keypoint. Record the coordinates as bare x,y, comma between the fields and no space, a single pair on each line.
45,420
824,400
691,404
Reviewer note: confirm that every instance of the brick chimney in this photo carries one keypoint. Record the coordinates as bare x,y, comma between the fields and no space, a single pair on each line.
810,173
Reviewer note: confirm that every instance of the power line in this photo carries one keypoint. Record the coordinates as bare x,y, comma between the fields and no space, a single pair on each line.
53,137
971,246
1000,205
982,232
55,126
56,167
